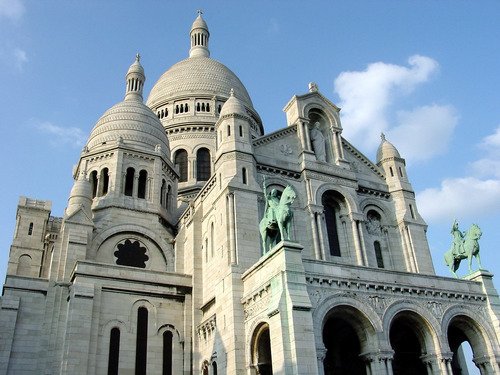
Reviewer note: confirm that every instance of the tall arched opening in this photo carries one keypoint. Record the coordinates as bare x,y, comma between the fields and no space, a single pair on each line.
410,339
261,350
347,334
466,342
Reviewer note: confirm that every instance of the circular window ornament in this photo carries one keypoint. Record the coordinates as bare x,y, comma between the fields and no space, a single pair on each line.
132,253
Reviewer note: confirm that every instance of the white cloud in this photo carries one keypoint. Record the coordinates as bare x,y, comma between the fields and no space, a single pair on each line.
12,9
62,135
365,96
423,132
462,198
493,140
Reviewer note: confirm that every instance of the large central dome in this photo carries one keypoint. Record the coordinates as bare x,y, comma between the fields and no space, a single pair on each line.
198,75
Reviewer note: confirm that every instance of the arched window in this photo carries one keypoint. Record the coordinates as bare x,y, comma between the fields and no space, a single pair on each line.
203,164
332,209
219,107
208,107
167,353
104,181
198,107
24,265
261,350
378,254
129,181
203,107
229,130
141,189
391,171
30,229
114,351
176,109
141,341
181,162
186,107
162,193
214,368
93,182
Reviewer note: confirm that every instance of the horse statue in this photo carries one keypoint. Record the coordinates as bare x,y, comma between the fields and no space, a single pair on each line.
277,221
465,246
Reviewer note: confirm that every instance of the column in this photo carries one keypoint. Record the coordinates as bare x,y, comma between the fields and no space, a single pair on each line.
319,223
308,139
314,228
445,363
302,136
136,185
231,236
339,142
357,244
336,150
149,188
362,240
320,355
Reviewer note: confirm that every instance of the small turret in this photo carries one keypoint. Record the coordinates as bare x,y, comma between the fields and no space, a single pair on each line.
393,164
234,136
135,79
199,37
80,196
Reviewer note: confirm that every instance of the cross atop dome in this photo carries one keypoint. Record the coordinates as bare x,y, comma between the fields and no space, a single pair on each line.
200,12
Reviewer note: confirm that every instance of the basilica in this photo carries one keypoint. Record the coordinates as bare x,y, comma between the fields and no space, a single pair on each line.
195,243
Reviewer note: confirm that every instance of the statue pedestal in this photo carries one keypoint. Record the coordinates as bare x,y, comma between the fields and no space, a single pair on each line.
486,279
288,310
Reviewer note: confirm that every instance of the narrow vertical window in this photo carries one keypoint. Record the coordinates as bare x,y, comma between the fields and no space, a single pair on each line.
241,131
400,171
203,164
141,189
93,182
412,212
181,162
105,181
378,254
167,353
169,197
331,211
141,347
198,107
129,181
228,130
208,107
114,351
162,193
30,229
212,239
214,368
244,175
391,171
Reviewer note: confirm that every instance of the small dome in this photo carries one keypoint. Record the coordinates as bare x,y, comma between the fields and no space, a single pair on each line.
386,150
136,67
80,196
199,23
134,123
233,106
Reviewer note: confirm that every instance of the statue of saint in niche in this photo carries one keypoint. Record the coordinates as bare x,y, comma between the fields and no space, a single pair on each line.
318,142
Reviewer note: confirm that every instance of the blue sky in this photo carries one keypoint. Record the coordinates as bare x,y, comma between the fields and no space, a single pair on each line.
423,72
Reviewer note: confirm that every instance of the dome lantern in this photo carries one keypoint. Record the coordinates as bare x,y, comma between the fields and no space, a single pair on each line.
135,79
199,37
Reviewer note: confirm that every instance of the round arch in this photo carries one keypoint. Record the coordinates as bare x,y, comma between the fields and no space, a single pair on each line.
165,249
461,323
331,117
260,349
351,204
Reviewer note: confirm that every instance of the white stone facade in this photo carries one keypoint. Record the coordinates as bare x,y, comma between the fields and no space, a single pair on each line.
158,266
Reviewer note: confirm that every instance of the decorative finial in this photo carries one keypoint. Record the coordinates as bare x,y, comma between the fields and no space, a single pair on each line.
137,57
200,12
382,137
231,92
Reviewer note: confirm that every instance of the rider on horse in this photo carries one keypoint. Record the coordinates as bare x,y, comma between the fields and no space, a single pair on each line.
458,250
272,203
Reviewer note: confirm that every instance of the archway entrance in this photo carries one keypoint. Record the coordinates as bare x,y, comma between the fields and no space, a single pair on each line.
465,342
408,342
261,350
346,334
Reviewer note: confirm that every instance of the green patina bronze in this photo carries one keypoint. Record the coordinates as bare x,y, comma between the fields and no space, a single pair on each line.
465,245
277,220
